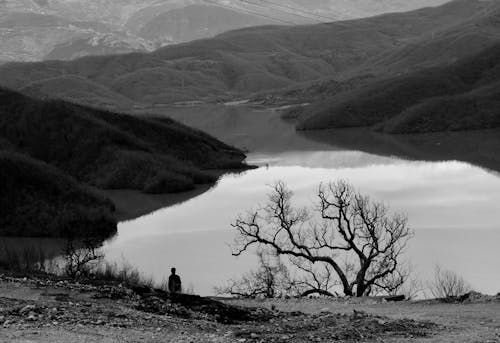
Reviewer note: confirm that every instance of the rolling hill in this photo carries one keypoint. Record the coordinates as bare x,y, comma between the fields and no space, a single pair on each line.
33,30
64,148
32,36
243,61
196,22
39,200
465,95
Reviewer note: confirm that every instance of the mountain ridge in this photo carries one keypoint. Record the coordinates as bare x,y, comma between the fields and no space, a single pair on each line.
464,95
253,59
125,22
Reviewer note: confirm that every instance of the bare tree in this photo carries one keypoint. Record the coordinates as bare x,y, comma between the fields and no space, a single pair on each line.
270,280
81,258
313,279
404,283
346,225
448,284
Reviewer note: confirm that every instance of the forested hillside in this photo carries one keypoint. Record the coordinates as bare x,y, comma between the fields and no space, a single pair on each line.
244,61
462,96
53,148
39,200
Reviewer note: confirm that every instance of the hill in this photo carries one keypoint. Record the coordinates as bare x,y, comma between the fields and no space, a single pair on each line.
243,61
52,148
196,22
34,30
32,36
61,207
465,95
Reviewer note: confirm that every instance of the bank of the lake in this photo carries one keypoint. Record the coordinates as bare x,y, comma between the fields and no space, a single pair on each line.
442,186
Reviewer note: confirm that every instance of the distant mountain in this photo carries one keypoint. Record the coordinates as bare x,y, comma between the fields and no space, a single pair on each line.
62,148
33,36
463,96
195,22
33,30
97,43
240,62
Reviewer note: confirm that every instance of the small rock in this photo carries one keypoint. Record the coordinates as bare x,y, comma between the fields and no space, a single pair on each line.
32,316
26,309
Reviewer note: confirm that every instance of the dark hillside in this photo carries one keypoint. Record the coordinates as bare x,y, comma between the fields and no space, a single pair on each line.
110,150
51,151
462,96
443,44
478,109
38,200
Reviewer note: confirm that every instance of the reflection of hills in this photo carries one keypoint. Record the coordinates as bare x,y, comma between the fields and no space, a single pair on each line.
476,147
131,204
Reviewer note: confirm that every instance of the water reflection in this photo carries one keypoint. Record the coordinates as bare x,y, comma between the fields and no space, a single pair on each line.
447,184
480,148
439,197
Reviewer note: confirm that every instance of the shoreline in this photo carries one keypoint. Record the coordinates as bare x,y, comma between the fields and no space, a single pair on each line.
132,204
40,309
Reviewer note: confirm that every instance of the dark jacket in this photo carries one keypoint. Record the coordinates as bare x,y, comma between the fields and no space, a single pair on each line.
174,283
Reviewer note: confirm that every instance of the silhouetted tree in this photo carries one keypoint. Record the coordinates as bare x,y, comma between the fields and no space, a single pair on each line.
270,280
448,283
347,227
81,257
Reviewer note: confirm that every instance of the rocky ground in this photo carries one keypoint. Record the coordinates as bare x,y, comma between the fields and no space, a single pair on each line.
42,310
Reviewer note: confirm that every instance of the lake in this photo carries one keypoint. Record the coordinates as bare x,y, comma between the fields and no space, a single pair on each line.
447,184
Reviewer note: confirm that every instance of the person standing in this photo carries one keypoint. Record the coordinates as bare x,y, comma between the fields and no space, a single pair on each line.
174,282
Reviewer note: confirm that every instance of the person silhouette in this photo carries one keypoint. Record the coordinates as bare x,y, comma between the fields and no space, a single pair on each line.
174,282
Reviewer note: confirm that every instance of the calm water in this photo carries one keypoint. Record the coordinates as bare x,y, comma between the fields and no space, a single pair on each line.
448,185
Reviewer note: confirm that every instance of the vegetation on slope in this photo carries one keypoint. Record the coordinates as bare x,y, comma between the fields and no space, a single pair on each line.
53,145
462,96
112,150
260,58
39,200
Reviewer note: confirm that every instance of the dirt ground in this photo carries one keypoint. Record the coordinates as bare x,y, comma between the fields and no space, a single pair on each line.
477,322
35,310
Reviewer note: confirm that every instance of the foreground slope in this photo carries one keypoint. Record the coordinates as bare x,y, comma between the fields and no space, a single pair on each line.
79,312
462,96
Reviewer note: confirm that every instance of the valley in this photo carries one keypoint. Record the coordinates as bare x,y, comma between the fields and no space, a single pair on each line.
329,65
